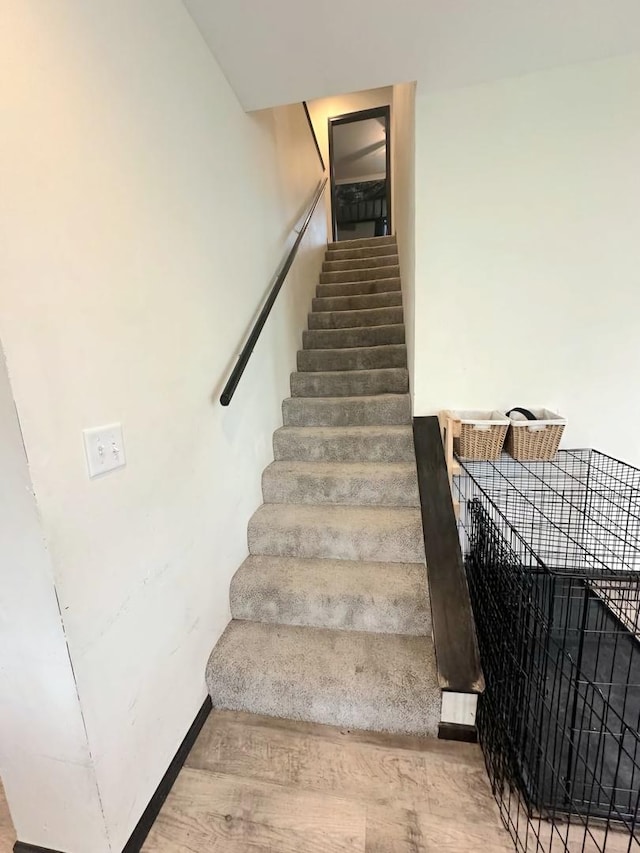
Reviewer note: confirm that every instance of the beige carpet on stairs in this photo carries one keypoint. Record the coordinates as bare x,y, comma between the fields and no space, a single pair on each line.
331,618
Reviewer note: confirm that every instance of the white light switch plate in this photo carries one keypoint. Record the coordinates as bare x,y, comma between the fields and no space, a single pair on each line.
104,448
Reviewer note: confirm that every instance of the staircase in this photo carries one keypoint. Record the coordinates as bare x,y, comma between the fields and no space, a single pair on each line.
331,618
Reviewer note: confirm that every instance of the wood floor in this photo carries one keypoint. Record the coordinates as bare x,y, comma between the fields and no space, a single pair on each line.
261,785
7,834
257,785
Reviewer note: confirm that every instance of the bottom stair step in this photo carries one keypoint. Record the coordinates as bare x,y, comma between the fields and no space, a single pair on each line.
357,596
377,682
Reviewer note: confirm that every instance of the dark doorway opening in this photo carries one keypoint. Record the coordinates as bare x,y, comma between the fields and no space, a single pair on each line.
360,166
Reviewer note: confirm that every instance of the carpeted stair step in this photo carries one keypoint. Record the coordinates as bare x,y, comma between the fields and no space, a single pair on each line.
356,319
341,594
331,265
344,483
364,274
367,336
381,409
388,534
344,444
355,303
352,358
350,383
362,243
354,679
360,288
361,253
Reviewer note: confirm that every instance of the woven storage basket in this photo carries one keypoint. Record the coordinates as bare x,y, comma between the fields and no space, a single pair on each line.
531,441
482,435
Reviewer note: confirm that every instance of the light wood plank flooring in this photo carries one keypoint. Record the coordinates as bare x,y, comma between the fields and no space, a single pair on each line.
7,833
256,784
260,785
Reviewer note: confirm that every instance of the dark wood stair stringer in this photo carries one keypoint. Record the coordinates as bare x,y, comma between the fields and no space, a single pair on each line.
457,656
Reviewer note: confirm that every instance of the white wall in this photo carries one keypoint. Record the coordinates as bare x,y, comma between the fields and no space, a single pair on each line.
44,754
143,215
322,109
527,224
403,204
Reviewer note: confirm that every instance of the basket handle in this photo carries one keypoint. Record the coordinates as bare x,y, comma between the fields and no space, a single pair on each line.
528,415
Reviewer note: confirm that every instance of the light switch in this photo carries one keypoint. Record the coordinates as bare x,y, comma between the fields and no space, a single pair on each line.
104,448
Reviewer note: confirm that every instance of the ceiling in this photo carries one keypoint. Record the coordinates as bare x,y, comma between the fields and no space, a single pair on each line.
359,150
283,51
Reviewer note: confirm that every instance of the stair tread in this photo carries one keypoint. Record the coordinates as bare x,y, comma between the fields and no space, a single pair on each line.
381,309
360,252
362,242
349,383
354,595
357,301
343,532
365,410
390,257
347,374
352,358
360,432
356,336
377,273
316,514
356,318
381,682
335,264
340,469
334,517
363,287
369,398
391,484
364,274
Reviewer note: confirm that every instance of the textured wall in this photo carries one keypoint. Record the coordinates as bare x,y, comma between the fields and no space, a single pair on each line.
143,217
527,223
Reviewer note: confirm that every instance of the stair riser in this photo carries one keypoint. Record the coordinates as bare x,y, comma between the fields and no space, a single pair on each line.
360,288
344,613
357,303
394,447
359,275
305,411
362,243
372,336
360,263
403,545
357,383
364,358
360,254
379,490
356,319
261,599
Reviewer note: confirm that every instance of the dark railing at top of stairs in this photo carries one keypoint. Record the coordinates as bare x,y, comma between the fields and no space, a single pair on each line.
247,349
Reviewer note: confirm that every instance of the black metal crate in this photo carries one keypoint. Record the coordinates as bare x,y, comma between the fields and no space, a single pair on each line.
552,552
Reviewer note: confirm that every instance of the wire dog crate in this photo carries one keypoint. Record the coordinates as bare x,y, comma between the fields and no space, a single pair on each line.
552,553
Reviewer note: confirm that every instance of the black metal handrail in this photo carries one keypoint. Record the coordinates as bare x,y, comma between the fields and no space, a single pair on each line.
247,349
313,134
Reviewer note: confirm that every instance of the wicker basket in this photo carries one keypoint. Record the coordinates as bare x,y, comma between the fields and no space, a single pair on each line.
482,435
531,441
